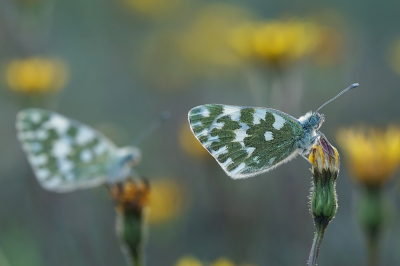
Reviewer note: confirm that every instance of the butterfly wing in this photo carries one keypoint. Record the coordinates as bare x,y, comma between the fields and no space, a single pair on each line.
246,141
64,154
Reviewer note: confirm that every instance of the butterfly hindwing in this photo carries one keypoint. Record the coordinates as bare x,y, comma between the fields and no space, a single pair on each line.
245,141
64,154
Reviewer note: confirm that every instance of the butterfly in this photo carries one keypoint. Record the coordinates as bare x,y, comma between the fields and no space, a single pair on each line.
66,155
248,141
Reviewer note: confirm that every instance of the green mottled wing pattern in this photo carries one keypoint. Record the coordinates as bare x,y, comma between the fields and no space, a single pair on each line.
246,141
64,154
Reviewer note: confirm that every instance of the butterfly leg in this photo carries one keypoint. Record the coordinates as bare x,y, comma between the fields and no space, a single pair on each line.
302,155
313,139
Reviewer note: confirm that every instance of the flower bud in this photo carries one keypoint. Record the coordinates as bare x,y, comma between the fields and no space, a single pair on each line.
131,197
323,200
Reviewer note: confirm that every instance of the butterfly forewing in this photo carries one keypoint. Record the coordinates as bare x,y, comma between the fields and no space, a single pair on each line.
246,141
64,154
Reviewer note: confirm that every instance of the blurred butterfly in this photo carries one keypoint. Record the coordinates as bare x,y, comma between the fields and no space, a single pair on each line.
66,155
247,141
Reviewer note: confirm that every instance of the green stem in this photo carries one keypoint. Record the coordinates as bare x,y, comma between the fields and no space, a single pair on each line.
319,234
371,217
372,252
130,231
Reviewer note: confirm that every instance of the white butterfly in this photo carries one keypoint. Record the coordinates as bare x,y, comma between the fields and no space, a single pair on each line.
248,141
66,155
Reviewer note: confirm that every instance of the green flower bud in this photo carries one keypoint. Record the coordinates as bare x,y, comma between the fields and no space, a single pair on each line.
323,199
132,197
325,170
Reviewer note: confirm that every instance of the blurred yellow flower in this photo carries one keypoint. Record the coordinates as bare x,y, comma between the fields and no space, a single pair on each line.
188,261
166,201
199,47
154,8
189,143
223,262
36,75
373,155
205,42
277,41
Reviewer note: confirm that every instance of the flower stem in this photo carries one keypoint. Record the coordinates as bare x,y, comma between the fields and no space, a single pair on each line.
319,234
372,252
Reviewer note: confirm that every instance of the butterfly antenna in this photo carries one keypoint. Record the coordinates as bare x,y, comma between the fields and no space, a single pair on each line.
151,128
355,85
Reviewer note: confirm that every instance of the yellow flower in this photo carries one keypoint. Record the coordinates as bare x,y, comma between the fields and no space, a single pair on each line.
189,143
36,75
223,262
206,41
373,155
198,48
166,201
277,42
188,261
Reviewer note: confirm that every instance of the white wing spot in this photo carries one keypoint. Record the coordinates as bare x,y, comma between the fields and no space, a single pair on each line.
61,148
250,150
65,166
36,117
84,135
202,133
239,168
240,135
34,147
227,162
235,116
221,150
213,138
197,124
226,110
268,136
218,125
58,123
279,122
86,156
38,160
271,160
100,148
204,112
256,159
244,126
258,115
42,134
42,174
70,177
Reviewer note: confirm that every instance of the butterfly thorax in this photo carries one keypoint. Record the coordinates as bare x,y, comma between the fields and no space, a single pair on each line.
310,123
122,166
